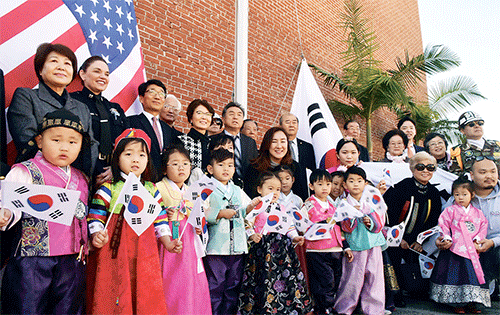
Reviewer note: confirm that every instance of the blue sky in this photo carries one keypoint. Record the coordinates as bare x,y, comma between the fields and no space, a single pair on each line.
472,30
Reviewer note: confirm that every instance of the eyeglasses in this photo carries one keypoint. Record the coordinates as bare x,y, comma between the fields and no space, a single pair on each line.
175,108
199,112
179,165
156,93
472,124
430,167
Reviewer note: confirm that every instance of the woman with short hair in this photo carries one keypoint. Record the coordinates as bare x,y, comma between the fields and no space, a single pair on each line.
395,143
55,67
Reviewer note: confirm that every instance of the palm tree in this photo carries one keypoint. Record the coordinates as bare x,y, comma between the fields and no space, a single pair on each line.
366,84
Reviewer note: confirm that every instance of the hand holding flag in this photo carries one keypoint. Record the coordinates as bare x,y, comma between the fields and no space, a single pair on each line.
262,206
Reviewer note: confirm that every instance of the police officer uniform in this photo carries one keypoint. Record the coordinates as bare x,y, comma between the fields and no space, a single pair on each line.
108,122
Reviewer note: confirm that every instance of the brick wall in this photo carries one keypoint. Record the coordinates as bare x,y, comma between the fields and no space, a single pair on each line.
189,45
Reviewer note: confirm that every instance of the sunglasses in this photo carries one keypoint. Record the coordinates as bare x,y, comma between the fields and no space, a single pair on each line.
430,167
488,157
472,124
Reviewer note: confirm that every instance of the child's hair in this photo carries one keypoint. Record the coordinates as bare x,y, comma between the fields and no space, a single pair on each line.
355,170
220,155
337,174
148,174
266,176
171,149
283,168
344,141
220,141
463,181
320,174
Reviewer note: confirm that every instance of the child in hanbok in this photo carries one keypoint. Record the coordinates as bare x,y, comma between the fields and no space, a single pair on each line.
324,256
184,280
287,197
124,274
226,208
272,280
363,279
457,278
49,252
337,193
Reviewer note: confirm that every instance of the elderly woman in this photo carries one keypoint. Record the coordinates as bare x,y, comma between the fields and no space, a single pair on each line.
55,67
199,114
108,119
436,145
395,143
409,127
414,201
274,151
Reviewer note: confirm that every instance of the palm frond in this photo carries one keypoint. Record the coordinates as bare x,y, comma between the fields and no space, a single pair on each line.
453,94
439,58
347,111
449,129
331,79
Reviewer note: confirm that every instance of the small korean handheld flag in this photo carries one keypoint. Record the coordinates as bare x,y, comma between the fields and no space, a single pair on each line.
426,234
345,211
141,209
263,204
201,188
318,231
426,266
277,222
395,235
302,223
387,177
44,202
198,220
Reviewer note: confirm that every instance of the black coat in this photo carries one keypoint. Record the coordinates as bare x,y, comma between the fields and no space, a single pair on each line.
141,122
251,181
116,116
398,199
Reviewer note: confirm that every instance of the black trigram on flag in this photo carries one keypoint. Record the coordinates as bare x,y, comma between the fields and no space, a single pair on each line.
56,214
136,221
194,195
135,187
22,190
151,209
63,197
127,198
17,203
316,119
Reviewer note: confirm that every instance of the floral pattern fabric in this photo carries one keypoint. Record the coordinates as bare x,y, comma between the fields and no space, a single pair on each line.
272,281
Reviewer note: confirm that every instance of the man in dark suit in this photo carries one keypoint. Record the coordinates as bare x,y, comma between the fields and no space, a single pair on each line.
352,130
302,152
245,148
152,97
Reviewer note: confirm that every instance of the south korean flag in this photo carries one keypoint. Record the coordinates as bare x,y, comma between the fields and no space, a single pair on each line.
277,222
426,266
346,211
141,209
44,202
394,234
319,231
302,223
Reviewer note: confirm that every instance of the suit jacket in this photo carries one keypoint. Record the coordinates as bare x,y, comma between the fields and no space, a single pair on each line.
141,122
248,152
363,154
306,155
29,106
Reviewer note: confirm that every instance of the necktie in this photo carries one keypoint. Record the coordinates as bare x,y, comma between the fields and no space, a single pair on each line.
237,156
105,142
157,132
295,156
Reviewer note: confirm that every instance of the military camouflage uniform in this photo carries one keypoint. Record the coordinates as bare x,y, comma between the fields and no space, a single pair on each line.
464,155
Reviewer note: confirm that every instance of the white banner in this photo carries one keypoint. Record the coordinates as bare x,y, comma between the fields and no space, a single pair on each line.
376,171
316,123
44,202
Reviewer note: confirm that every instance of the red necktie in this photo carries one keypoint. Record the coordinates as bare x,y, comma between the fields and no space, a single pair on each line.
157,132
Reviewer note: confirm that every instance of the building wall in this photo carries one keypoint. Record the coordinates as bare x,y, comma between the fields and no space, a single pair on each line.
189,45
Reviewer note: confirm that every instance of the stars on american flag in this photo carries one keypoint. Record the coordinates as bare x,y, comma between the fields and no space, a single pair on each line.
109,27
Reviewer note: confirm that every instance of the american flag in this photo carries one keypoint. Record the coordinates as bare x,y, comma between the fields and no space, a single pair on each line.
107,28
